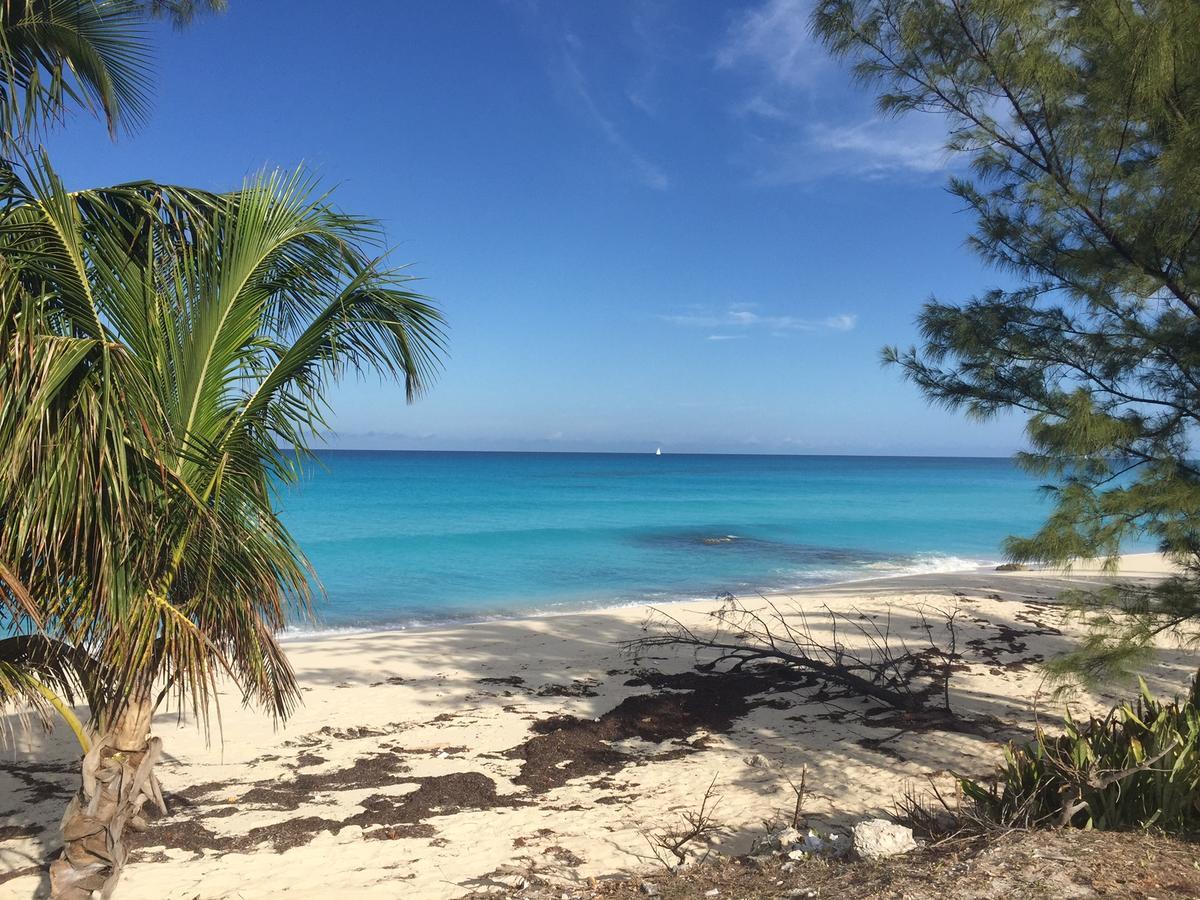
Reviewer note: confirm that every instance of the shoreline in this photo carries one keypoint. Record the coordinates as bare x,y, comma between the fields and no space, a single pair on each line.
433,762
1143,564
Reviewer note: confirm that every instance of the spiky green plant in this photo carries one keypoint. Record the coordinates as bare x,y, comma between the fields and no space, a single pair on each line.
1137,767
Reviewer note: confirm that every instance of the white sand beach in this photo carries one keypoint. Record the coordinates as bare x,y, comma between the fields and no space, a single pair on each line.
427,763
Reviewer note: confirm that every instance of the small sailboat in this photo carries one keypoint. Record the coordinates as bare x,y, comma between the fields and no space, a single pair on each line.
658,452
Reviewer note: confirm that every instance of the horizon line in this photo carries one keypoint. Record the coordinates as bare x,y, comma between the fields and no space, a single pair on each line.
862,455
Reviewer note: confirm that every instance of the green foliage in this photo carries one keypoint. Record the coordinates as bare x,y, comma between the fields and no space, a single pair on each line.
158,345
1137,767
57,54
92,55
182,12
1081,125
161,344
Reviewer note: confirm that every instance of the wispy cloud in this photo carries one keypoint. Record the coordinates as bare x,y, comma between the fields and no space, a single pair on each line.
647,25
775,37
916,142
871,148
576,81
737,320
803,119
758,106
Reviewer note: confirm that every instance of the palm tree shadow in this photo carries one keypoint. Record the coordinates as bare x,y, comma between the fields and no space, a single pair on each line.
566,680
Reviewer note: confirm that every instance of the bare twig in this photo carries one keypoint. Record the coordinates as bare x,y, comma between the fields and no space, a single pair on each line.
798,812
671,846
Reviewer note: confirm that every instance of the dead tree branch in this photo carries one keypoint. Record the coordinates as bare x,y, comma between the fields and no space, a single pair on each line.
879,663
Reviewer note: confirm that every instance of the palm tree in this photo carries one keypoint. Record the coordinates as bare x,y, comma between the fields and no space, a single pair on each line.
56,55
175,341
157,347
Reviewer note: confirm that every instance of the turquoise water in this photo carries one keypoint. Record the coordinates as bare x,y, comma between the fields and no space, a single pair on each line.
402,538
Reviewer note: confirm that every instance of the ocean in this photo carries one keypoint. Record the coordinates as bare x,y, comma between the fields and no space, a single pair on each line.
409,538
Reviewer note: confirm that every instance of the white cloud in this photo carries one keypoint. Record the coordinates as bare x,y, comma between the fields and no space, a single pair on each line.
742,316
775,37
757,105
844,322
915,142
803,119
913,146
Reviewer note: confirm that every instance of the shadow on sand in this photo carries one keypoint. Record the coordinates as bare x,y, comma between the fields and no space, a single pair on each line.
582,713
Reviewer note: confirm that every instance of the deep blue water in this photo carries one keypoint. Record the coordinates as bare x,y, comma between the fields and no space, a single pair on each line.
399,538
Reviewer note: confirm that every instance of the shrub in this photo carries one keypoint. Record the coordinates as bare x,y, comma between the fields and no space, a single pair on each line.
1136,767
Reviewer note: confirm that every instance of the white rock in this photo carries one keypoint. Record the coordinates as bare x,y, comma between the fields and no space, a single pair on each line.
879,839
713,893
784,839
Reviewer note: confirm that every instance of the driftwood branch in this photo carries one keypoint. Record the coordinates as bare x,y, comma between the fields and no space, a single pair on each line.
879,664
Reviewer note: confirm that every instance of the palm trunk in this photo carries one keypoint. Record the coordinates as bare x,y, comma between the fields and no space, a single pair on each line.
118,779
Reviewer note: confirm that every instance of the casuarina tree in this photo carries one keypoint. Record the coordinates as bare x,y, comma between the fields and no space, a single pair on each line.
1074,130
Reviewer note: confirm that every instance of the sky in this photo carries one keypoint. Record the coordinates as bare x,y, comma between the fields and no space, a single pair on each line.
649,223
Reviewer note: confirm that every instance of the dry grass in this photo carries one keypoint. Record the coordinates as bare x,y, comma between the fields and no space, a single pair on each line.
1042,865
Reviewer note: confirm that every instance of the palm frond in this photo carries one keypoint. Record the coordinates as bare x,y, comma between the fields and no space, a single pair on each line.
172,340
58,54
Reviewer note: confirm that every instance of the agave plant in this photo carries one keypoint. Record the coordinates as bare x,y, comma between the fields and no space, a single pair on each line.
180,345
1138,766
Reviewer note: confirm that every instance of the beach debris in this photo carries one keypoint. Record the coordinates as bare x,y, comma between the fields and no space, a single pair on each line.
579,687
758,761
782,840
879,839
510,680
682,705
797,845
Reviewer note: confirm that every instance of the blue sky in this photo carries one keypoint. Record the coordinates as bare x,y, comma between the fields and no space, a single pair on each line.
671,223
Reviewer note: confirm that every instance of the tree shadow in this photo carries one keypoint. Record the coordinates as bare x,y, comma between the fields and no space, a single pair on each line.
405,734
